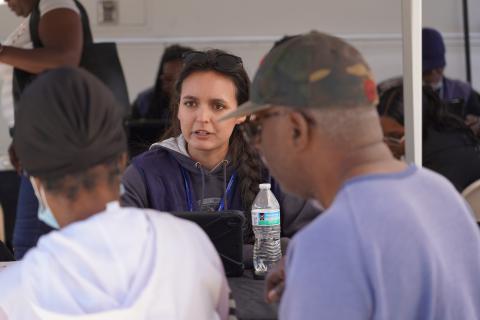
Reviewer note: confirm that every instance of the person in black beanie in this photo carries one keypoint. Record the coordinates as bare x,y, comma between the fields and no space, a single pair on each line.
453,92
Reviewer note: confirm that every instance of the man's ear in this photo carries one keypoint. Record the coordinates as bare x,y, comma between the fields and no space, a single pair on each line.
300,130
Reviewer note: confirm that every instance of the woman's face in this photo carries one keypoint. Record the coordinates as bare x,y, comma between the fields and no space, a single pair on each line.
21,8
394,135
171,71
205,97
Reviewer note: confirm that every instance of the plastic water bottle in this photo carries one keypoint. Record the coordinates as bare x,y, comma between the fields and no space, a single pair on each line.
266,227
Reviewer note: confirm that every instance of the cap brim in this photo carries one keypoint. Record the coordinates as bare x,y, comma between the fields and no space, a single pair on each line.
246,109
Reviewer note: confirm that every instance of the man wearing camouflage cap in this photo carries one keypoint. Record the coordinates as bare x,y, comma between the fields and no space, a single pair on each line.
396,241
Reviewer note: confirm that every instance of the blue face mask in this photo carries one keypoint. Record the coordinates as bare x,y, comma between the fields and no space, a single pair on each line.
46,216
44,213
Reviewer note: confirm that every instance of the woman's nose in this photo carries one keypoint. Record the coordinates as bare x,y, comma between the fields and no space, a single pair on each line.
204,114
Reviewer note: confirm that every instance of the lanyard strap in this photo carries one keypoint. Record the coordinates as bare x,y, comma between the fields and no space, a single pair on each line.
188,190
221,205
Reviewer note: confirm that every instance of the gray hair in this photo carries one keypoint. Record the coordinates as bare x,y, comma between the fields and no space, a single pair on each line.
348,126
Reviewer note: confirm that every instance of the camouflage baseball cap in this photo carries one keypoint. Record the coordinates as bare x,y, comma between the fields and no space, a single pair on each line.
313,70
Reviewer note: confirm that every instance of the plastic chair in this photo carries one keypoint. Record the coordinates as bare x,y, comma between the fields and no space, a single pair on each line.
472,195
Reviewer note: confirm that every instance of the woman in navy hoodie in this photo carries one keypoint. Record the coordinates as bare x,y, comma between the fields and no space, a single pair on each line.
204,164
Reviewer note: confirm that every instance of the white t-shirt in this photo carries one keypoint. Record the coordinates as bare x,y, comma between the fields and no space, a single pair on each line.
124,263
21,38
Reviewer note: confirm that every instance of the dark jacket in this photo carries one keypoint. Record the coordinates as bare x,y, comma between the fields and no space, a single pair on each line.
155,180
456,90
454,155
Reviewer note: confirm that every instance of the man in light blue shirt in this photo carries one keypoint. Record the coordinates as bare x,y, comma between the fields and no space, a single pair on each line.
395,241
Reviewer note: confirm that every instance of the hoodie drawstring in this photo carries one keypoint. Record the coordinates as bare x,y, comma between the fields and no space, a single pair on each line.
225,202
199,166
226,188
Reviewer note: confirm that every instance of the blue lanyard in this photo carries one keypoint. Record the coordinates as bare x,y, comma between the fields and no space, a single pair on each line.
188,190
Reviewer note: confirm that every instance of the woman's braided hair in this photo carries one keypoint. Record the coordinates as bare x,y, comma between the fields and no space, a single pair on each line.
244,158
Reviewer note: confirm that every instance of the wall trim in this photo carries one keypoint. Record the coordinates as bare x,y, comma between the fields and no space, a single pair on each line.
450,39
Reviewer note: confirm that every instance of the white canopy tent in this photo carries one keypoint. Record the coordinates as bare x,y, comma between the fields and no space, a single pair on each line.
412,78
412,71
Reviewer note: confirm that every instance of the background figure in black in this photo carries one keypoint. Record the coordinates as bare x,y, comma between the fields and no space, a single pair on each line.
9,186
5,253
150,114
460,97
449,146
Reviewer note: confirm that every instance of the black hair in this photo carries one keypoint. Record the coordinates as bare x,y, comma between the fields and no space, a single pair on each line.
244,158
391,104
172,53
435,113
88,180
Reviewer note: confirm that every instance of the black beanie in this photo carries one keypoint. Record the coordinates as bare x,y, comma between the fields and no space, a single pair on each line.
66,122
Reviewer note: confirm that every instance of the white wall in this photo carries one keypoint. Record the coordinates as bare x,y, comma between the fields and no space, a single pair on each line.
248,29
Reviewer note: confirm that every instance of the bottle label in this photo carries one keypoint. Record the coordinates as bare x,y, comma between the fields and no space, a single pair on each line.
265,218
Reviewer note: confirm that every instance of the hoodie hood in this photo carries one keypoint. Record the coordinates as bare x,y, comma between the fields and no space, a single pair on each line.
209,186
95,281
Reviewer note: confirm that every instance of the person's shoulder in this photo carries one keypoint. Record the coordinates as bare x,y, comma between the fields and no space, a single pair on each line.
456,83
154,155
362,190
142,101
45,6
435,179
145,94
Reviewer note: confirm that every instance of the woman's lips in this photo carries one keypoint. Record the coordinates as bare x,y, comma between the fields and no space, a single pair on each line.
202,134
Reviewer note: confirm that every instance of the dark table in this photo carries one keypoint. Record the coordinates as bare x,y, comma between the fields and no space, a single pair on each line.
248,294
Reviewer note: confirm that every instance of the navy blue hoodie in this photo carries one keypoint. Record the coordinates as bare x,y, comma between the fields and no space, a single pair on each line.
155,180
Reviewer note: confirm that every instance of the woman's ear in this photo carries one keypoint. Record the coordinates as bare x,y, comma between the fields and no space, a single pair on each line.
177,110
122,163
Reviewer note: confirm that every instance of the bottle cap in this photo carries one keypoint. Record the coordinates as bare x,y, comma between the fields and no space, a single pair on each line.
264,186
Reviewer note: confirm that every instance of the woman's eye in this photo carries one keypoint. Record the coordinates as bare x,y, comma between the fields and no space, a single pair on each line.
219,106
189,104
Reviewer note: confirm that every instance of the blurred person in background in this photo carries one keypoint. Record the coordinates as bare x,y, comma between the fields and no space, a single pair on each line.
449,146
151,115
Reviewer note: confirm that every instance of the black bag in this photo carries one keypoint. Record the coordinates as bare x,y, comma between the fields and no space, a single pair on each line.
100,59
